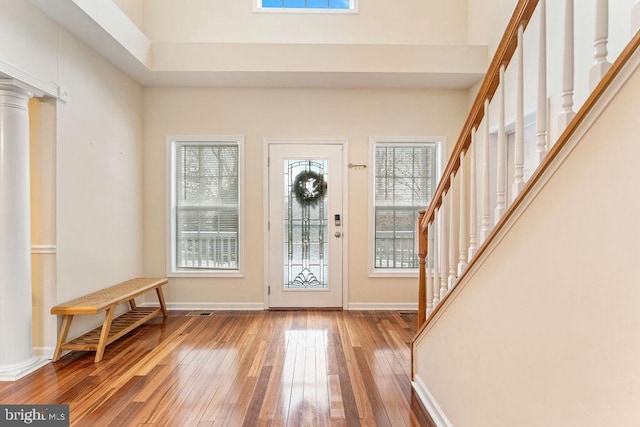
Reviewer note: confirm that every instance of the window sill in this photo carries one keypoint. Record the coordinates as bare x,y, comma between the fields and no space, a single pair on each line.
207,273
396,273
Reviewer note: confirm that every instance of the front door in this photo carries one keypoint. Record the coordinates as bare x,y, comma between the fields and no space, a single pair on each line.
305,225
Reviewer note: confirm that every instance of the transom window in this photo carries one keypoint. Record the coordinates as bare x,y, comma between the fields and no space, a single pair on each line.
307,4
205,206
404,179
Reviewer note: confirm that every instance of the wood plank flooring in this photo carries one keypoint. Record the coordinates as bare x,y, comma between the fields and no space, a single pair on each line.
266,368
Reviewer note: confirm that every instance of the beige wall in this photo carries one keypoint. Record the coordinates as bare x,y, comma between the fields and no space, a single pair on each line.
286,113
378,21
99,176
42,132
545,332
134,9
96,136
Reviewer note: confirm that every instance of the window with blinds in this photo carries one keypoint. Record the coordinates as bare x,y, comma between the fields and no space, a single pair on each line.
206,206
404,182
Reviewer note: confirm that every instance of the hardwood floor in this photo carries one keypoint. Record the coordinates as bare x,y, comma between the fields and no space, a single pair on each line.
267,368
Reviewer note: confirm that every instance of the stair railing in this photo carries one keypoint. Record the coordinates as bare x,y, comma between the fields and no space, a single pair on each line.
495,163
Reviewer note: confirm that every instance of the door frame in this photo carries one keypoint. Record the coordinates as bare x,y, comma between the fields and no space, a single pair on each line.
345,208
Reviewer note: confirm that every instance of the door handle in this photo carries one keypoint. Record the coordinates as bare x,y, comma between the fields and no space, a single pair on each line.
338,234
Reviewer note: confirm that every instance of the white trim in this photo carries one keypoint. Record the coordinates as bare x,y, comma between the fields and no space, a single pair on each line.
171,270
16,371
209,306
610,92
440,144
353,9
433,409
207,273
46,88
391,306
397,273
44,249
345,207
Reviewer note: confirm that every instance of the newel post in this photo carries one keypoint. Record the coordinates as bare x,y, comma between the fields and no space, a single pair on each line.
422,287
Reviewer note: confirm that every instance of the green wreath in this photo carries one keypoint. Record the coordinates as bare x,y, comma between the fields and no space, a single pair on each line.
309,188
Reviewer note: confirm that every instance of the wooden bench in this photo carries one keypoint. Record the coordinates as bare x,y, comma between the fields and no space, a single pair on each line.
112,328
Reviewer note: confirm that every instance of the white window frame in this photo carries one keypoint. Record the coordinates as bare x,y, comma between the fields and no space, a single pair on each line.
171,268
439,142
257,7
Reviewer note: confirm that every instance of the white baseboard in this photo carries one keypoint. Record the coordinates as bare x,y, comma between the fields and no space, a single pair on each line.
411,306
209,306
19,370
430,404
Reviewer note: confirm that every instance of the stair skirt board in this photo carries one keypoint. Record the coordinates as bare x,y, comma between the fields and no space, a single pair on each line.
429,403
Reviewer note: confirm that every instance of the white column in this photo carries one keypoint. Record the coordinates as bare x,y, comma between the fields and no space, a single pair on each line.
601,65
501,169
484,225
567,113
462,238
436,258
444,246
452,234
541,114
428,262
473,199
16,348
635,19
518,177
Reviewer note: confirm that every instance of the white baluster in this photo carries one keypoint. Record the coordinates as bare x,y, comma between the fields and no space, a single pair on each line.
635,19
473,199
567,113
429,276
436,258
541,116
601,65
502,150
484,226
462,243
518,177
444,247
452,234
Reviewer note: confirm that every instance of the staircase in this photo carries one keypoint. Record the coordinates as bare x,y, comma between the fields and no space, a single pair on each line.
528,298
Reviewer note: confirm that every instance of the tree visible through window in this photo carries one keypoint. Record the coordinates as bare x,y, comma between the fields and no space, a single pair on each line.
306,4
404,181
206,212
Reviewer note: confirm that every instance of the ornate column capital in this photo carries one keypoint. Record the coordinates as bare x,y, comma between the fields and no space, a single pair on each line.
19,88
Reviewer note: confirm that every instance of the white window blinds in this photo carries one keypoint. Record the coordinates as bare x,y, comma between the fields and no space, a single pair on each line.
404,181
206,205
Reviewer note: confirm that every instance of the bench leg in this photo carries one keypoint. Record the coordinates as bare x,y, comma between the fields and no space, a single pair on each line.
132,303
163,306
104,334
62,335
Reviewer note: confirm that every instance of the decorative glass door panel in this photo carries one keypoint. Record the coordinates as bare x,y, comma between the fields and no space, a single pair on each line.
305,238
305,223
